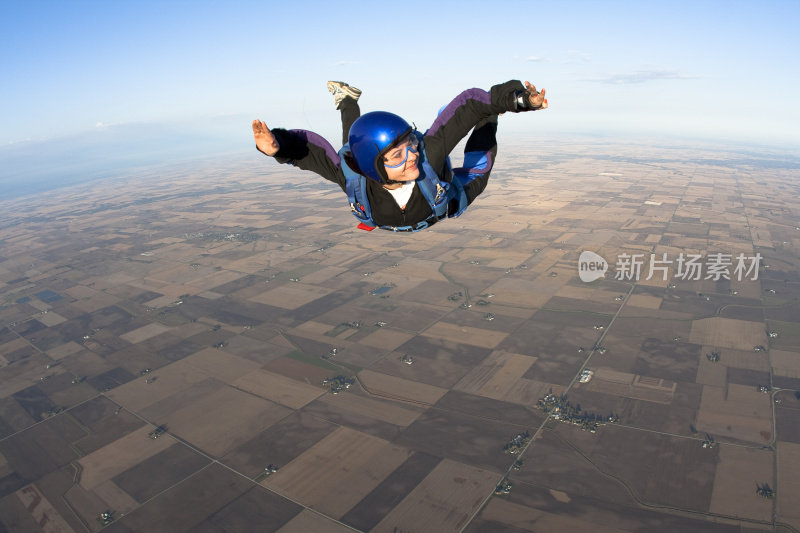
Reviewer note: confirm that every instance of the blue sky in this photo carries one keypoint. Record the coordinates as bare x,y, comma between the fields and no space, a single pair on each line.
74,69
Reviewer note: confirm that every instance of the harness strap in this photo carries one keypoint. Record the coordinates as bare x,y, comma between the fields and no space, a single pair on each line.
427,223
437,193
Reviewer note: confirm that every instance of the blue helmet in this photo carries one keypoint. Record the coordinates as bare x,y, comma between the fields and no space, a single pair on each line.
371,135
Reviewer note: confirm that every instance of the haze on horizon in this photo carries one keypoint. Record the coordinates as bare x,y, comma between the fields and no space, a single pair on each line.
91,84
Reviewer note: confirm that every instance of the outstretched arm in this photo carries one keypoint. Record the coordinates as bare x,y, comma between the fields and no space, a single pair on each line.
300,148
473,105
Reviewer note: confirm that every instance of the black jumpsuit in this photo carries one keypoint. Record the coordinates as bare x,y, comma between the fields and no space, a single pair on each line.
473,109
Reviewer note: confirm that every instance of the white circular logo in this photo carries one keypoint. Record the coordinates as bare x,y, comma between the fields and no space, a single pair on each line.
591,266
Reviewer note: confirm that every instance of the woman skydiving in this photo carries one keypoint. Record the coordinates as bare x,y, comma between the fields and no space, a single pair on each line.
395,177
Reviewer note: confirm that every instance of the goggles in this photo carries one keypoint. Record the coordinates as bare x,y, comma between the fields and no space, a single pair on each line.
398,155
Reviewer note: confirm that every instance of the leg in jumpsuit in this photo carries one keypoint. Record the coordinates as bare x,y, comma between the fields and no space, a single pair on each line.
349,110
479,156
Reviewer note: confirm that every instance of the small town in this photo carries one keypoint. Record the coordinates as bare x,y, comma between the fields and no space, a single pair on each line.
563,411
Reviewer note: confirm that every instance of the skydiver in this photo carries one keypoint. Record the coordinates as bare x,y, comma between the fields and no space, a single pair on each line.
395,177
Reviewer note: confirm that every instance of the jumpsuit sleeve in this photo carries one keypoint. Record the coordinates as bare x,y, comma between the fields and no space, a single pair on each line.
309,151
459,116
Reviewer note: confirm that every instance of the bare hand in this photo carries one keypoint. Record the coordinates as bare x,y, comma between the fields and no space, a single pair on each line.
265,140
536,98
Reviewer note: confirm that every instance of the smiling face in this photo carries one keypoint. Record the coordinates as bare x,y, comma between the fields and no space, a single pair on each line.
401,160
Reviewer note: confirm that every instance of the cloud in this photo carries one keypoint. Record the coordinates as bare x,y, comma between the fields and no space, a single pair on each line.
643,76
345,62
536,58
576,56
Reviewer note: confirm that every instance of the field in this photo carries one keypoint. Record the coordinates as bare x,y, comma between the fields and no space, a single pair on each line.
516,293
739,472
160,471
464,434
475,336
711,373
499,376
207,301
659,469
728,333
508,514
171,379
560,466
386,339
42,511
109,461
291,296
220,365
437,362
279,389
379,410
391,491
789,482
300,429
195,500
230,418
143,333
746,360
23,374
443,501
308,520
299,371
345,458
541,510
785,363
383,385
738,412
617,383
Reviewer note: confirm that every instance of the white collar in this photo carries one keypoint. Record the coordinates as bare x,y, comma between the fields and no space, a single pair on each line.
402,194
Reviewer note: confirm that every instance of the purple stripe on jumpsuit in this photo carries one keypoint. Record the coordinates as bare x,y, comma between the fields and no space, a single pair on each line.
447,113
318,140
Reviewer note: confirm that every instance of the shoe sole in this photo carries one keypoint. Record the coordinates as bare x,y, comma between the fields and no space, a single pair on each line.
345,88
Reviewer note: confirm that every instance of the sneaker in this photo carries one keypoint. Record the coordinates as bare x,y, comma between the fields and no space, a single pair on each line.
340,90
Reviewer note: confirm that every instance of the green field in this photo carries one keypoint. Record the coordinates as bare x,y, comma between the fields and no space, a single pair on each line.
303,357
